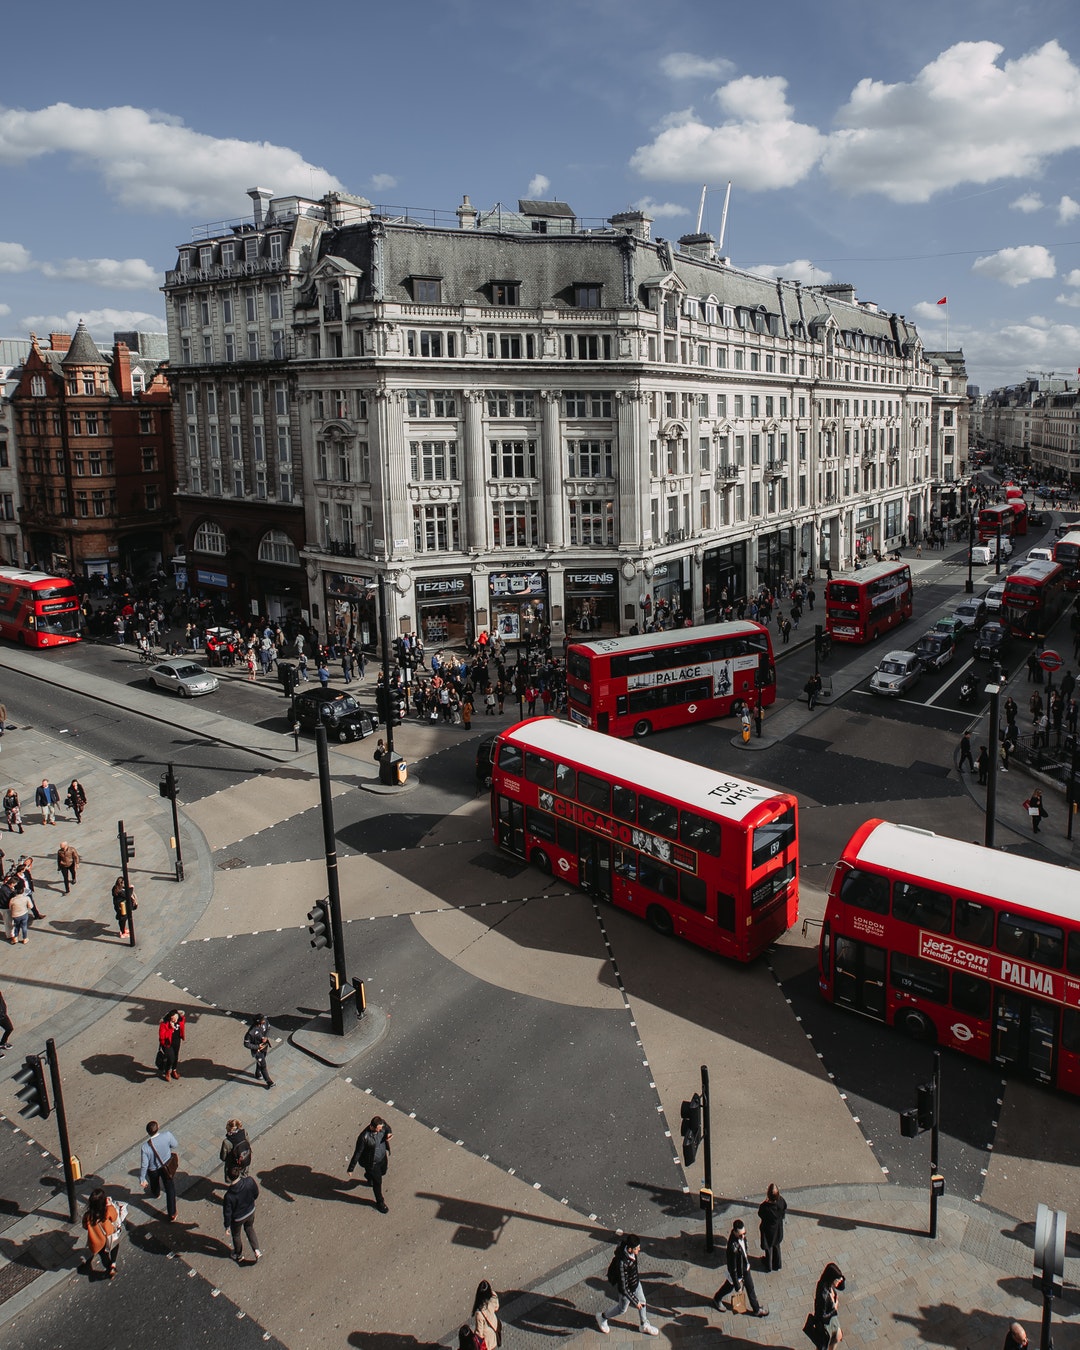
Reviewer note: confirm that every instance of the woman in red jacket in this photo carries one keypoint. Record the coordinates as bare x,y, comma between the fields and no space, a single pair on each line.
170,1034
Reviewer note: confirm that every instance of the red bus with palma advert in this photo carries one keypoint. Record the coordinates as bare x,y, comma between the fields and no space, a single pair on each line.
1034,598
861,605
38,610
1067,554
632,686
968,947
692,851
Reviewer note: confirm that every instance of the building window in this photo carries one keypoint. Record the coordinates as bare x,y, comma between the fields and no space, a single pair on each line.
433,461
584,403
95,463
76,424
253,344
592,524
278,345
425,342
435,529
88,385
276,248
82,504
513,459
276,547
589,459
587,346
37,386
425,403
509,347
427,290
152,502
210,538
514,524
511,403
586,295
506,292
98,502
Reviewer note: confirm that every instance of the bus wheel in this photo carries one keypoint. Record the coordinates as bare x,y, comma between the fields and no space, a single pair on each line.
917,1026
660,920
642,728
540,859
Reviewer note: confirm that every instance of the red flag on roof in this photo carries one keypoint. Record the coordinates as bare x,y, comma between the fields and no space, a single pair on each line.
944,300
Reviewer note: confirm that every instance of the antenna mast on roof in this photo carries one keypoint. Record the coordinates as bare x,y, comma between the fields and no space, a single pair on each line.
723,218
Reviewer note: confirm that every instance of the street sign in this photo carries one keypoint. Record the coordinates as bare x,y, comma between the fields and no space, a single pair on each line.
1050,659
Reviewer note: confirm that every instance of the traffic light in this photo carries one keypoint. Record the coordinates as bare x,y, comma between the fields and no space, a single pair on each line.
127,846
319,923
691,1128
168,787
909,1124
925,1106
33,1093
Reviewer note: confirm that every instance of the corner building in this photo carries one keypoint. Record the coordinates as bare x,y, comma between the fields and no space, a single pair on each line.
520,420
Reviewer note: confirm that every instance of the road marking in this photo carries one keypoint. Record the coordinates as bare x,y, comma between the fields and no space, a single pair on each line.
948,683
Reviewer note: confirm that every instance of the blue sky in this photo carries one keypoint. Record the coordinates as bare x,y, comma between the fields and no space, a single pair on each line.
920,152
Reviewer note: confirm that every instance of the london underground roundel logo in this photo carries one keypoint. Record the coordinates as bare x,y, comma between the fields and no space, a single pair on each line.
961,1032
691,708
564,866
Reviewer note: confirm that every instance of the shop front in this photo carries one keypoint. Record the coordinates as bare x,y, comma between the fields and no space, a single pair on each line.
282,598
591,603
776,557
671,591
444,611
352,605
519,605
866,527
723,579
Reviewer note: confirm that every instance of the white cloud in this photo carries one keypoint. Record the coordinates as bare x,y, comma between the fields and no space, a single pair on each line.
5,309
1017,266
800,269
687,66
659,210
964,118
1002,354
102,323
15,258
1072,278
150,160
1027,202
382,181
1067,210
538,185
760,146
1073,301
126,274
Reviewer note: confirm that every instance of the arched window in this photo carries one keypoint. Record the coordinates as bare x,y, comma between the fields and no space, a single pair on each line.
276,547
210,538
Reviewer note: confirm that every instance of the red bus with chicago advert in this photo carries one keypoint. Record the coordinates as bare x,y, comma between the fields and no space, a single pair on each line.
1067,553
634,685
958,945
861,605
1000,517
691,850
37,610
1034,598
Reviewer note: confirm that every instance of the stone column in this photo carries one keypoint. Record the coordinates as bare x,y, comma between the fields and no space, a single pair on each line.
473,471
390,469
633,443
551,469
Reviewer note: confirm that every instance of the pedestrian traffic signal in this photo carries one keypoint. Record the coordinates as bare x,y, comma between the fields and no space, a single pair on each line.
925,1106
909,1124
127,846
319,923
691,1128
168,786
33,1093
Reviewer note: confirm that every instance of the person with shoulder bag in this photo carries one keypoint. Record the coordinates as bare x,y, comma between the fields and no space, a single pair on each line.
739,1280
486,1318
826,1312
103,1222
257,1040
159,1159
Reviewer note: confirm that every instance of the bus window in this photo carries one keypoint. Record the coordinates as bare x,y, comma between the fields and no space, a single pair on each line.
975,923
1034,941
971,995
699,832
540,823
1072,960
692,892
566,835
923,907
1070,1031
594,792
624,802
725,911
916,976
626,863
539,769
510,758
658,816
770,839
658,877
564,780
865,890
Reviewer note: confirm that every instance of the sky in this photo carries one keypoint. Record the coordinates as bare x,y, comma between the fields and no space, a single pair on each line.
918,153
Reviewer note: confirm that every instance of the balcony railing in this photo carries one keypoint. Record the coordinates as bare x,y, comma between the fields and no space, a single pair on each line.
727,474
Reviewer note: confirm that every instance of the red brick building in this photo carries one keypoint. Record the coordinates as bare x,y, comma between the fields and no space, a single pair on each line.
96,467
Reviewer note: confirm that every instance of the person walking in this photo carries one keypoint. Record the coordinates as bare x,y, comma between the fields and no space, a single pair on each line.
158,1161
771,1213
124,901
372,1156
485,1314
102,1224
812,688
13,811
983,765
1037,813
257,1040
3,717
24,871
467,710
827,1306
964,753
76,800
67,864
623,1274
47,797
239,1214
1015,1338
19,914
738,1276
235,1151
7,1024
171,1032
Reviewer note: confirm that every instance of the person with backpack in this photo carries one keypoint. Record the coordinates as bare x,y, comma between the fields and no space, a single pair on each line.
623,1276
257,1040
235,1150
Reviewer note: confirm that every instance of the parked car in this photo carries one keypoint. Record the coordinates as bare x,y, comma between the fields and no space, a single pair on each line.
180,675
936,649
971,613
344,718
1037,518
994,597
949,623
896,673
992,638
1040,555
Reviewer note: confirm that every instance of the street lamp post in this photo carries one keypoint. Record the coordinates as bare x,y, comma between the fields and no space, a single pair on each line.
969,585
994,690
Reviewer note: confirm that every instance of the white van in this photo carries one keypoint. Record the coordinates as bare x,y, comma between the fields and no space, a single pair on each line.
985,555
1040,555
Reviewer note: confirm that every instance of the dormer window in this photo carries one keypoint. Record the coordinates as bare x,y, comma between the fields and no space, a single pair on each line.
206,258
586,295
251,248
228,254
276,248
185,261
506,293
427,290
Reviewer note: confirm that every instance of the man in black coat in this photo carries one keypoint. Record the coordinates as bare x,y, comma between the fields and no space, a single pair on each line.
738,1266
372,1155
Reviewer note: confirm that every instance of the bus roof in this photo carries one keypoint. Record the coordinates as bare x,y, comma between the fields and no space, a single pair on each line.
1039,569
871,573
935,858
1073,538
702,789
27,578
671,637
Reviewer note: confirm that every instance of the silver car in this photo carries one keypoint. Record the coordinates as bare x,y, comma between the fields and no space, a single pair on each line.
183,677
896,674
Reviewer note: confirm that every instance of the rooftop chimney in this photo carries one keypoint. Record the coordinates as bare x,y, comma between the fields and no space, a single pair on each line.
636,223
699,245
259,197
59,342
466,214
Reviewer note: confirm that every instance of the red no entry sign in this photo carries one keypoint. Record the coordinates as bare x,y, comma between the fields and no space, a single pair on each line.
1050,660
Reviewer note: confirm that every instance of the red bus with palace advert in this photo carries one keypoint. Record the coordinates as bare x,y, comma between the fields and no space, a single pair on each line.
37,610
861,605
634,685
1034,598
1001,517
690,850
959,945
1067,553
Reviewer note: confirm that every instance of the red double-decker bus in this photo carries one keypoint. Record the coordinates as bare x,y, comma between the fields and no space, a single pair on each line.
692,851
1067,554
860,606
971,948
634,685
1001,517
37,610
1034,598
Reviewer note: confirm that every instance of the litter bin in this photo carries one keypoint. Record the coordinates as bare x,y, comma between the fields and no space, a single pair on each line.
393,770
286,673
